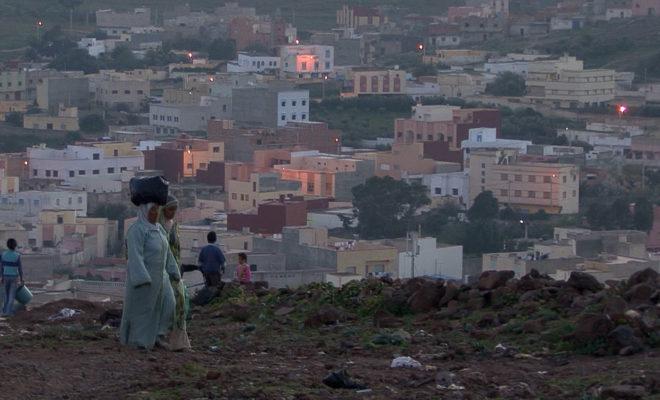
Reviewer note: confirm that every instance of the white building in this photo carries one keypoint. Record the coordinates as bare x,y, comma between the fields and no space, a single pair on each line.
249,62
329,219
26,206
515,63
486,138
104,160
174,118
307,61
93,46
427,258
449,185
618,13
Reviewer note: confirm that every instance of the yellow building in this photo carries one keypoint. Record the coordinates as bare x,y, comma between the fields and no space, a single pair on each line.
366,258
12,106
360,18
53,226
528,186
8,184
65,120
244,195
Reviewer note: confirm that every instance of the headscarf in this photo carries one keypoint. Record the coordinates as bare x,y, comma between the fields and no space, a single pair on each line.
143,213
171,202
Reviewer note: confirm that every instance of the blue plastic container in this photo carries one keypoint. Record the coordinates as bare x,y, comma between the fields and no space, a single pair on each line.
23,295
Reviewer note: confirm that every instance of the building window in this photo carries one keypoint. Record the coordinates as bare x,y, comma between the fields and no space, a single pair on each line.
547,179
504,177
140,92
574,193
114,92
48,173
60,220
303,117
283,117
546,195
293,117
216,149
517,193
310,187
34,172
81,172
80,200
303,66
454,192
127,92
233,196
96,172
72,174
111,170
70,201
303,102
56,173
57,202
254,186
438,190
293,103
504,192
531,178
96,156
531,194
563,195
189,166
518,178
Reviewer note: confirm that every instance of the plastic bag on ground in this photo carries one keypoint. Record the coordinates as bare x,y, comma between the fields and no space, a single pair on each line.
64,313
405,362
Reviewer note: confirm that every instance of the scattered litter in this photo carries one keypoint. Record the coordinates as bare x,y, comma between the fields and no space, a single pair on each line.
364,391
453,386
405,362
341,380
214,349
64,313
542,372
525,356
503,351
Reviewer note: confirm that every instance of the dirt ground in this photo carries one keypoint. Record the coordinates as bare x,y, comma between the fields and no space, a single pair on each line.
278,358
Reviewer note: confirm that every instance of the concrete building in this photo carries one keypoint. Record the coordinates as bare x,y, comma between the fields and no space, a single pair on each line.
241,144
184,157
348,46
25,206
21,83
308,248
113,20
408,160
643,8
172,119
445,127
360,18
453,186
254,62
93,160
486,138
121,92
248,192
12,230
269,107
93,46
12,106
369,81
653,243
528,186
307,61
644,150
618,13
66,119
426,257
564,83
455,57
270,217
71,91
266,31
8,184
326,175
441,35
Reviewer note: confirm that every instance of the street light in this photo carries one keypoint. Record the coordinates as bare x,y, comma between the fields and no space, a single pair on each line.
524,224
621,109
40,24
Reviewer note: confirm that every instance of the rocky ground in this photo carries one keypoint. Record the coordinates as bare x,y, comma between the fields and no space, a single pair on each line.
501,338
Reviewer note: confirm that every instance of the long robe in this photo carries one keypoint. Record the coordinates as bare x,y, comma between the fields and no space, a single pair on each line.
149,300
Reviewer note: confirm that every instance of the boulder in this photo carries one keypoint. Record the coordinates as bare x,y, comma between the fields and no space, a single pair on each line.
582,282
326,315
451,291
395,302
623,337
615,307
647,275
490,280
624,392
592,326
452,308
642,293
383,319
426,298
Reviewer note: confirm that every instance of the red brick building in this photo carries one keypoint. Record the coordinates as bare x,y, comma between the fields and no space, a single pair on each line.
184,157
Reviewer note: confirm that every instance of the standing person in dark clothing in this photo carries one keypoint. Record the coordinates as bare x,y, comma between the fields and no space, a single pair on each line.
12,271
211,261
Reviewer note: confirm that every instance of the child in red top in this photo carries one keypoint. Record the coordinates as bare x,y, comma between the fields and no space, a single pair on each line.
243,272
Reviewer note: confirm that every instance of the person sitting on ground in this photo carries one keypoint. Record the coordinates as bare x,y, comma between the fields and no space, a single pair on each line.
211,261
243,272
12,273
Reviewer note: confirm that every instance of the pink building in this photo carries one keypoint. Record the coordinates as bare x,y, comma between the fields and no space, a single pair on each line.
642,8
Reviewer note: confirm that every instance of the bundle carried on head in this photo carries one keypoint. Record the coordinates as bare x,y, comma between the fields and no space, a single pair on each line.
149,189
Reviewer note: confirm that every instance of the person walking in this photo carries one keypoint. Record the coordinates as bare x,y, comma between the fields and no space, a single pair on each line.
149,303
12,274
212,261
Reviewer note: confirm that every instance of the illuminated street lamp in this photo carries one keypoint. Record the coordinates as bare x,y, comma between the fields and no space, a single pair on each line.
621,109
40,24
297,41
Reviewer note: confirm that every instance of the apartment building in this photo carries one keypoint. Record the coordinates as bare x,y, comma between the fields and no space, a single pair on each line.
8,184
66,119
486,138
122,92
71,91
26,205
93,160
172,119
254,62
307,61
269,107
424,256
360,18
564,83
370,81
263,30
326,175
21,83
113,21
270,217
184,157
644,150
644,8
248,192
527,186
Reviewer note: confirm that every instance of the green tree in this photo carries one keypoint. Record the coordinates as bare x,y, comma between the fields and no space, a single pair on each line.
221,49
424,70
122,59
385,207
434,221
507,84
483,236
14,118
75,60
643,218
92,123
485,207
620,213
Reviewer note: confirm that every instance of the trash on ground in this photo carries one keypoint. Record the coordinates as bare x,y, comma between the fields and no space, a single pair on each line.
64,313
405,362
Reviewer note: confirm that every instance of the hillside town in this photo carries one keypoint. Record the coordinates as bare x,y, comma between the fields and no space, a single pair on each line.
391,143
